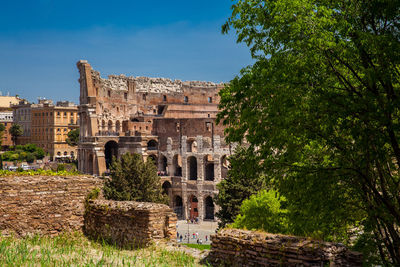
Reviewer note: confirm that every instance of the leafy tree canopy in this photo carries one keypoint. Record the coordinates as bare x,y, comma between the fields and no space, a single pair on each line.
243,180
320,108
73,137
134,179
264,211
16,130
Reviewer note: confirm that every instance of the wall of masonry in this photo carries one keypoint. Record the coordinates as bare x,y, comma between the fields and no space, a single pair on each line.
232,247
129,223
43,204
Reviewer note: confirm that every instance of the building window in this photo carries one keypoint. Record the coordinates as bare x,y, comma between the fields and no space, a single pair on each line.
186,99
144,97
164,98
58,113
208,126
65,113
72,114
209,99
126,96
109,93
58,130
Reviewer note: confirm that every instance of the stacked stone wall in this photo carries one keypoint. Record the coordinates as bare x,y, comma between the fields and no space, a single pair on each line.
43,204
232,247
129,223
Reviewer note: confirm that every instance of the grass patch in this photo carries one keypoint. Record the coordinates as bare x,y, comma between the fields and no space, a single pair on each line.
76,250
197,246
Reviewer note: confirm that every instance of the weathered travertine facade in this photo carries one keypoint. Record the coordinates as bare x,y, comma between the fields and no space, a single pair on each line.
43,204
129,223
232,247
172,122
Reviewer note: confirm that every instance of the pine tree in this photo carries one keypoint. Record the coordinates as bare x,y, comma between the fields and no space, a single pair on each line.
133,179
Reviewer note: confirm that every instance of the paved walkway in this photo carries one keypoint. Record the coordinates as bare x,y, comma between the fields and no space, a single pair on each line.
203,229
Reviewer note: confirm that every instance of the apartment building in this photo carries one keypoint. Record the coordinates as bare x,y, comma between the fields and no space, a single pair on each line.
50,125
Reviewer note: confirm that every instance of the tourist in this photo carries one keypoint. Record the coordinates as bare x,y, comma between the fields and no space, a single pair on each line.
181,237
200,241
206,238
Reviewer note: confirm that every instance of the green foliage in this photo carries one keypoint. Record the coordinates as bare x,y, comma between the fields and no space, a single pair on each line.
134,179
74,249
197,246
16,130
2,130
28,153
93,194
73,137
264,211
320,109
39,172
243,180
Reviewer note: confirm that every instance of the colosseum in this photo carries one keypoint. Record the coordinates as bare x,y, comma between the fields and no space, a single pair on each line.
172,122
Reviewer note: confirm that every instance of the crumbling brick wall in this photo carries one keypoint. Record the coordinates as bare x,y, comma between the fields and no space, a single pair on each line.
129,223
43,204
232,247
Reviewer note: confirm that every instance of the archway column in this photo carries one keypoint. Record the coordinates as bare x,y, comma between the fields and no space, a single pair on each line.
200,168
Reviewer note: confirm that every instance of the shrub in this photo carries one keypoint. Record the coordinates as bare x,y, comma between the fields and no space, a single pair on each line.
263,211
134,179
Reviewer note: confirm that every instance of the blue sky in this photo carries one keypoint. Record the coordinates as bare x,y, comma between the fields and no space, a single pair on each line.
41,41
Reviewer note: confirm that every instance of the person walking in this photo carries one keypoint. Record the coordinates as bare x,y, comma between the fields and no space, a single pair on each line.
180,238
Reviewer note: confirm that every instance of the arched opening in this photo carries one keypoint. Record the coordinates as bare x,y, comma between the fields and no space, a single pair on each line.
192,168
193,207
166,188
191,146
177,163
103,125
90,165
209,208
110,126
178,207
154,159
58,153
65,153
110,151
72,154
163,164
209,168
117,126
152,145
224,166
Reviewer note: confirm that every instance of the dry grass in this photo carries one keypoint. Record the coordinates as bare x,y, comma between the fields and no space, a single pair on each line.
74,249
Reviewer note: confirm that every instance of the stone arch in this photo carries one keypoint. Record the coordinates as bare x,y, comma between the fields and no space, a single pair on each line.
154,159
152,145
117,126
224,166
65,153
163,165
110,125
191,146
209,168
193,207
110,151
178,207
177,165
192,168
90,164
166,188
209,208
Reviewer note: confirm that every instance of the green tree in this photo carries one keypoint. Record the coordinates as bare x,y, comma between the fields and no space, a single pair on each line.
134,179
16,131
264,211
2,130
243,180
320,107
73,137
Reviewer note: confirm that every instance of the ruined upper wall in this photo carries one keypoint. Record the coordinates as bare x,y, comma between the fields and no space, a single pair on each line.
151,85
